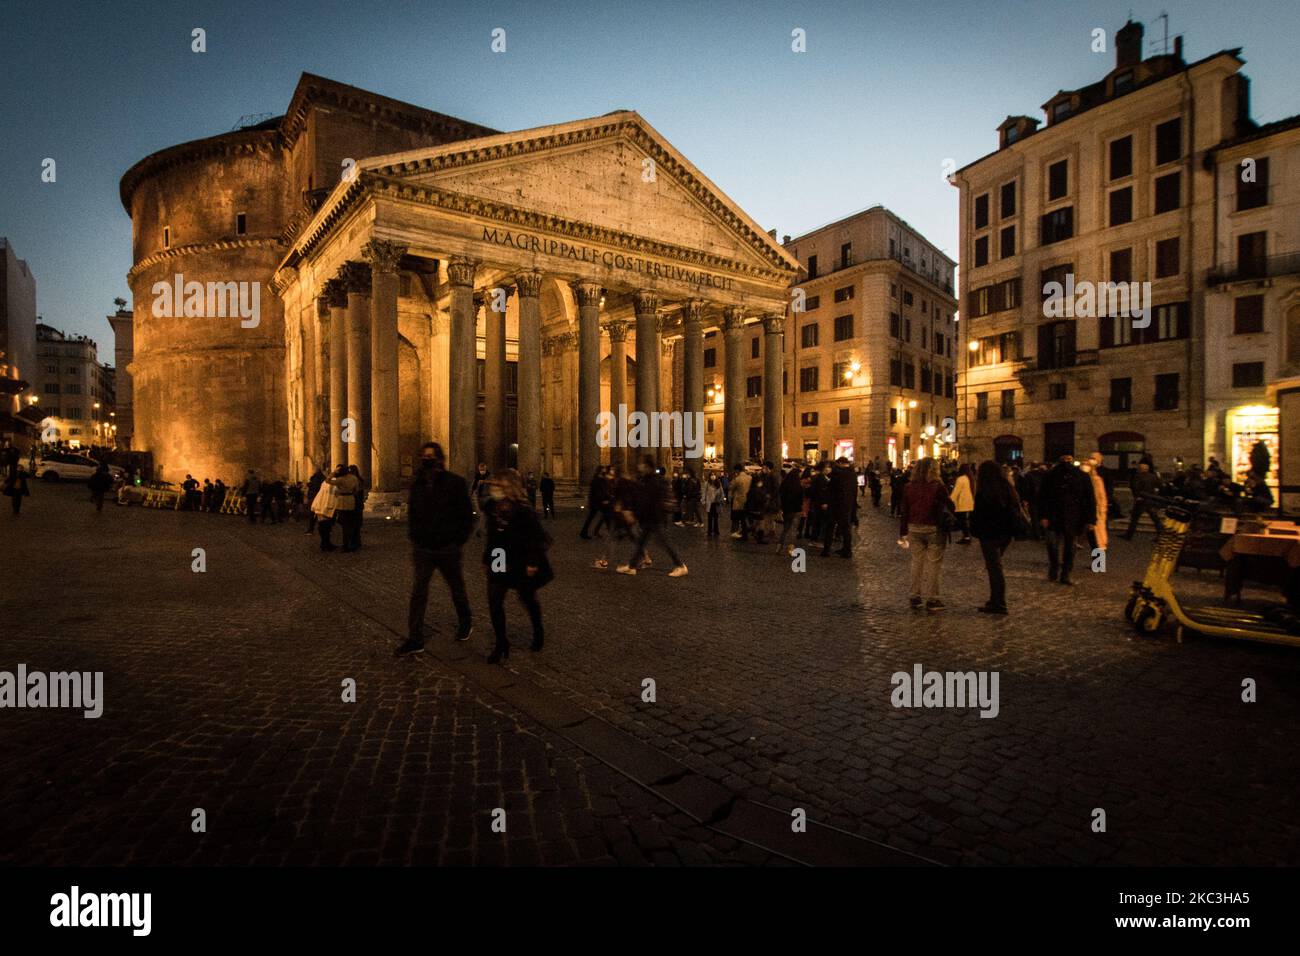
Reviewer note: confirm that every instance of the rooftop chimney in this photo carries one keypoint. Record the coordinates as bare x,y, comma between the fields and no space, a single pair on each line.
1178,47
1128,45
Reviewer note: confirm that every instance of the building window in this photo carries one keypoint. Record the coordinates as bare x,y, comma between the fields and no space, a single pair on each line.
896,372
895,325
843,327
844,416
1168,192
808,379
1056,391
1007,243
1248,314
927,378
808,336
1253,195
981,251
812,302
846,255
981,406
1251,249
754,386
1167,258
241,224
1121,265
981,211
51,388
1122,83
812,267
844,294
1167,392
1060,111
1121,158
1121,206
1058,180
72,389
1057,225
893,415
1008,200
1121,394
753,347
907,297
939,343
1169,141
1248,375
167,237
808,419
710,358
842,375
1008,403
909,374
1056,344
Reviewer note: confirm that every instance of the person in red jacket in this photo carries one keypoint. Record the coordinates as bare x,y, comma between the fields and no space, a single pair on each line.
921,529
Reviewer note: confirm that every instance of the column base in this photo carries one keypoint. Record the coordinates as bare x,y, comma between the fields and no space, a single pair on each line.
386,504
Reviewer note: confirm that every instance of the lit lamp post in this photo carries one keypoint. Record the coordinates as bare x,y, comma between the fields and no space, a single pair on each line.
972,347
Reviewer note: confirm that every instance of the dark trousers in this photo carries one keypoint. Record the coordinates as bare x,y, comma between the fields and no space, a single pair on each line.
18,503
788,519
99,501
1060,553
739,521
497,589
593,512
350,522
325,526
548,506
250,505
446,561
658,534
713,520
835,526
993,549
311,521
1140,507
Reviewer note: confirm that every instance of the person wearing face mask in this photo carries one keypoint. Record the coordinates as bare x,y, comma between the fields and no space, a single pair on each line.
514,558
440,518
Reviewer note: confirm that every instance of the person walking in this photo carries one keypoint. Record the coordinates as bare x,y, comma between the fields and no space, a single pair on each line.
547,487
598,493
790,496
99,483
739,493
652,492
16,488
530,489
1145,484
714,496
347,487
873,479
1068,510
323,510
1100,535
359,513
691,494
514,557
250,491
996,520
842,499
924,512
760,503
963,500
819,490
314,484
440,517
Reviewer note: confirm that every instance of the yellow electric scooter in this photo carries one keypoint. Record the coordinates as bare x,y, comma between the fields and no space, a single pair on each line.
1152,604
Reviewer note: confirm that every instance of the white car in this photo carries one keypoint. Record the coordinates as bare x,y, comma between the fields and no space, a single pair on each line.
72,467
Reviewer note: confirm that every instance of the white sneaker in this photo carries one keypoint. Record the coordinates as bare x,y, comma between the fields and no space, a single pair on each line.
736,535
678,572
624,569
601,563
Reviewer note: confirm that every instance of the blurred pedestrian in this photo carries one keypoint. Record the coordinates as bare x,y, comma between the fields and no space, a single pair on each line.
996,520
514,557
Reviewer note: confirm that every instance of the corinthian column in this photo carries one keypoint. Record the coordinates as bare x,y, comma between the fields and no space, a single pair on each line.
383,258
646,305
529,287
356,276
733,393
462,367
494,379
773,362
588,295
336,297
617,384
693,366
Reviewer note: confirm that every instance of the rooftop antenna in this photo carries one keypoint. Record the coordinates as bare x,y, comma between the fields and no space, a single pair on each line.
1165,17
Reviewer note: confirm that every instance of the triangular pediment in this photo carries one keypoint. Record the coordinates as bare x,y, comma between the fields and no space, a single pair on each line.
614,172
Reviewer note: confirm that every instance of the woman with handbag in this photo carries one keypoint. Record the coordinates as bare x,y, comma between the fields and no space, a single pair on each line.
322,509
996,519
924,528
514,557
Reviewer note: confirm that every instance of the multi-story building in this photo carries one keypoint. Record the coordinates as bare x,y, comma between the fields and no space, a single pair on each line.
75,391
17,329
870,345
1088,248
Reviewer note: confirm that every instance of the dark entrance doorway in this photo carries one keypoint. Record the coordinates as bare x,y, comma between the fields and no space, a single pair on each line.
1008,449
1058,440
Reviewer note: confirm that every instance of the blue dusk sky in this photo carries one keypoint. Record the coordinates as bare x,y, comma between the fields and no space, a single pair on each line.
884,94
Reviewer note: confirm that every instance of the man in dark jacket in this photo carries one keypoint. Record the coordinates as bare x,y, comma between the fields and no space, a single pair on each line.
547,487
440,519
652,492
842,498
1144,484
791,495
819,490
598,493
1068,510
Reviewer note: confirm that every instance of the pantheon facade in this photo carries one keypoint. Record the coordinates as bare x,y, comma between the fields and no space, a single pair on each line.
424,277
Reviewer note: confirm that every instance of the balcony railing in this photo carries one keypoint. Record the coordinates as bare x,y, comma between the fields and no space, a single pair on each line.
1265,267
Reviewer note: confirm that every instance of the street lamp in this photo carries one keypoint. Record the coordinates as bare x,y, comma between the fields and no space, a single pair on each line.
972,347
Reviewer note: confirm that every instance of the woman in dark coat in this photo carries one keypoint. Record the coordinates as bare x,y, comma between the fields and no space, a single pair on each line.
514,556
16,488
995,521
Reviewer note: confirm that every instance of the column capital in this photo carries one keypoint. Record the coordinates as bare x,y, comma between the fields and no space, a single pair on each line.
480,300
645,301
335,293
693,312
618,330
733,318
355,277
561,342
460,270
773,324
382,255
587,292
529,284
668,324
667,345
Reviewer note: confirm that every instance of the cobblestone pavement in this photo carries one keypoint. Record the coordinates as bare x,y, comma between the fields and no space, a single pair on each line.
224,692
770,683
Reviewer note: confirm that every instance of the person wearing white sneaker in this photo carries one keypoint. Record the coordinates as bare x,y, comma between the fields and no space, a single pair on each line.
652,492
